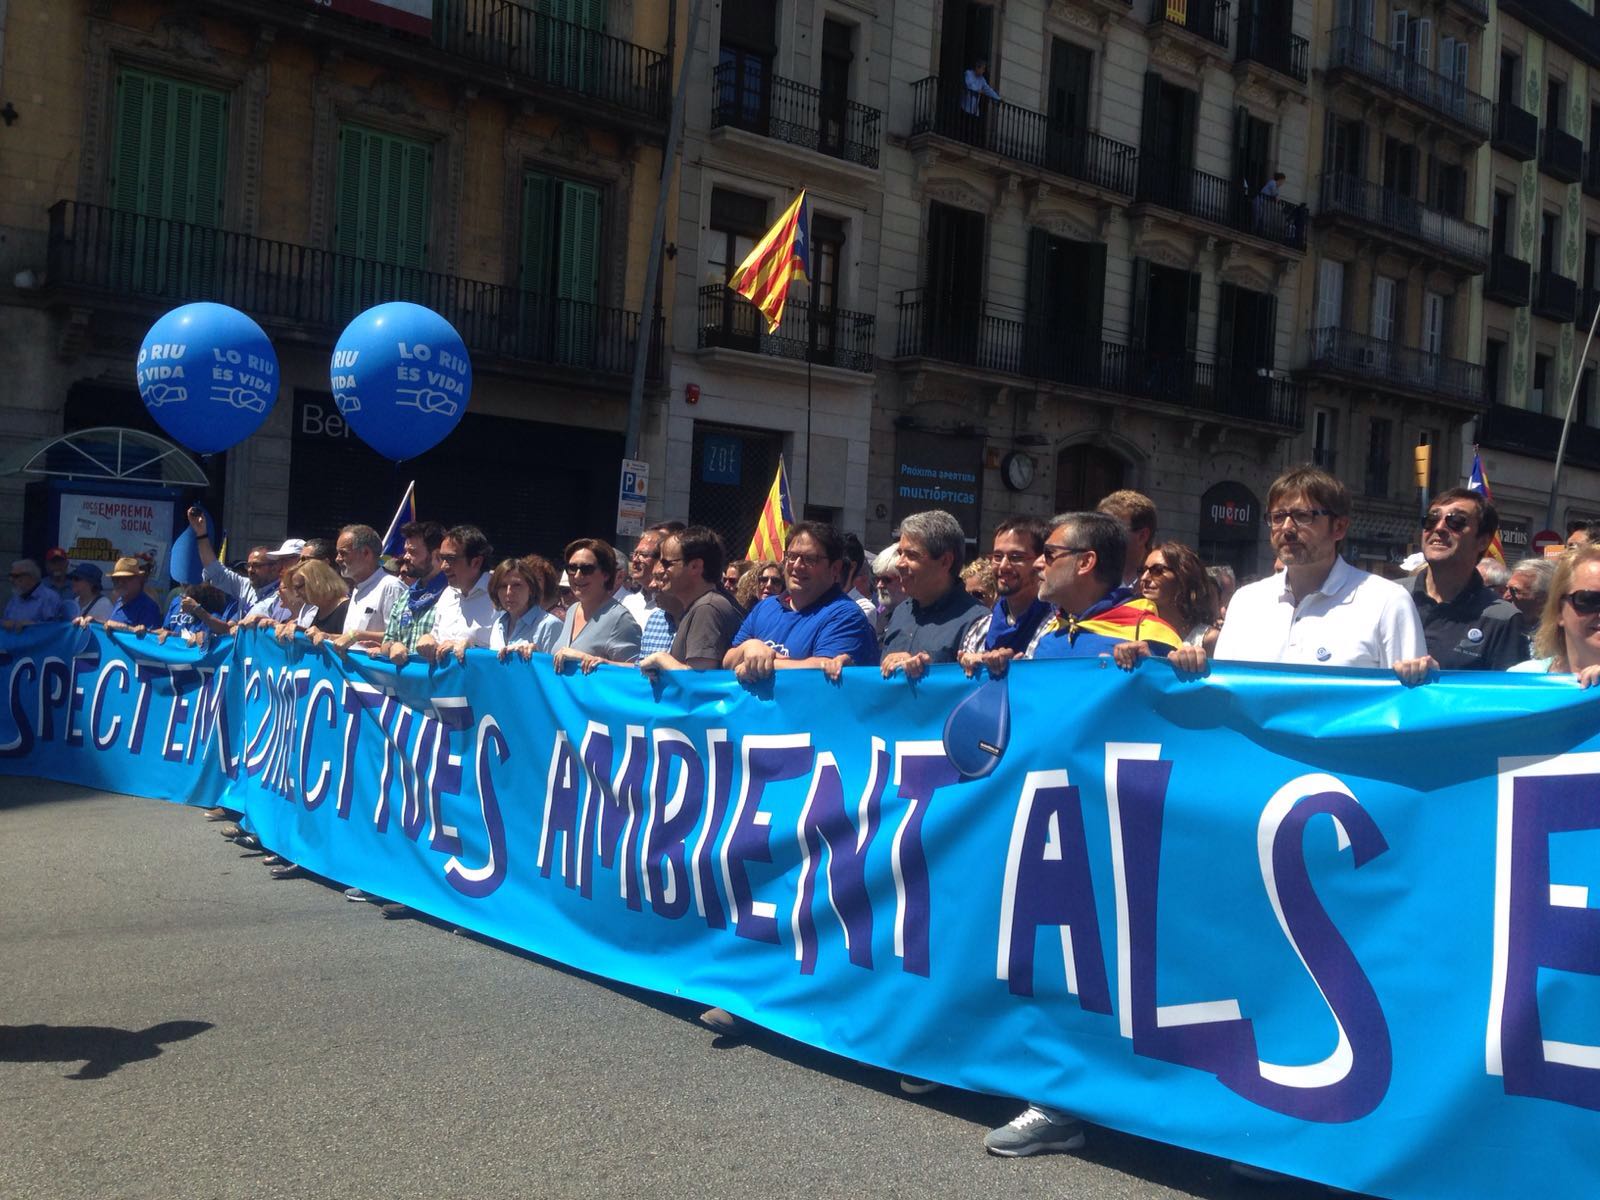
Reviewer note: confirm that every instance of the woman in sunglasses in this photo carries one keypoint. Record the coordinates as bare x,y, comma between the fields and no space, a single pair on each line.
597,628
1568,638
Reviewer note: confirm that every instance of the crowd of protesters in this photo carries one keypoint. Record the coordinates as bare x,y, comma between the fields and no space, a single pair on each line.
1081,584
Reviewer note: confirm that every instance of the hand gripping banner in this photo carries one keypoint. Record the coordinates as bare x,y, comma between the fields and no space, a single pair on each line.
1320,923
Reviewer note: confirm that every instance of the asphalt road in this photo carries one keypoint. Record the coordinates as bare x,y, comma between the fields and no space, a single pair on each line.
175,1023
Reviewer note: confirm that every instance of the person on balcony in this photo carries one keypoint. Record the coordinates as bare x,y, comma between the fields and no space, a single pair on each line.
977,87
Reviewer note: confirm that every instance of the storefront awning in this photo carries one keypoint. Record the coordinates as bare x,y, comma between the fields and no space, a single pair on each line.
109,452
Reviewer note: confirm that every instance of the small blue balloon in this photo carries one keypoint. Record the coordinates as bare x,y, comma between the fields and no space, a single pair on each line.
401,377
183,564
208,375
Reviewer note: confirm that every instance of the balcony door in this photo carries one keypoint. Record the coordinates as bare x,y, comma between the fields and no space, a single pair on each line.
1067,109
1066,289
168,180
1165,323
833,103
737,223
1247,337
1433,324
1385,312
744,64
1166,142
1330,307
571,36
382,212
953,291
559,281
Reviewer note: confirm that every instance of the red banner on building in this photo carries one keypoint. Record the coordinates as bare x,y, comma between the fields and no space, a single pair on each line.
413,16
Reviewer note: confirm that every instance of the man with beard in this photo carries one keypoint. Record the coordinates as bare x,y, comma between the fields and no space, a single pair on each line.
373,591
1019,612
415,610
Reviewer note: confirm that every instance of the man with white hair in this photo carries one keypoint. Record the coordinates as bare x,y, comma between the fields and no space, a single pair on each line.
1528,585
31,603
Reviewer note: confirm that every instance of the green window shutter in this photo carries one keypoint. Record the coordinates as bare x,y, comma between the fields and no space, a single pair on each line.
171,154
416,182
384,197
538,233
209,174
132,101
578,277
161,143
347,202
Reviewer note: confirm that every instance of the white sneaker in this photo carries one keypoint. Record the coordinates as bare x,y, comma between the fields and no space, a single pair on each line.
1033,1132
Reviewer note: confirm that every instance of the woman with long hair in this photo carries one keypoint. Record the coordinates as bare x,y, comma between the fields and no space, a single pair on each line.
1174,580
1567,641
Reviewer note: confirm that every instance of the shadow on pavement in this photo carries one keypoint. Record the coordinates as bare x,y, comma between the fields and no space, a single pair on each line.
21,791
101,1048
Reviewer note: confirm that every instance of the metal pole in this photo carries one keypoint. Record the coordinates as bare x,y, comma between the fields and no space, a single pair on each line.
652,270
1566,421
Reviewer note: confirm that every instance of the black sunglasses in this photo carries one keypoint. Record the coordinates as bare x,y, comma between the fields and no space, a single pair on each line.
574,568
1456,522
1585,603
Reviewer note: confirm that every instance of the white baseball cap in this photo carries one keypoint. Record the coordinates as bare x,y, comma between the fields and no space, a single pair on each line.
289,549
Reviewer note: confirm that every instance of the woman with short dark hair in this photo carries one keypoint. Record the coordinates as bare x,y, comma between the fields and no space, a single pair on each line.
597,628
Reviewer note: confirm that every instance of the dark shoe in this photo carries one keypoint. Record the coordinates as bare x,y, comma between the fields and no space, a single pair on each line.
218,814
286,871
394,912
357,896
272,860
722,1022
911,1085
247,841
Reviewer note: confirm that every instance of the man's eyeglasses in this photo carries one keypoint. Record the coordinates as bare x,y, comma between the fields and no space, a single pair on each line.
1015,557
1585,603
577,568
642,555
1298,516
809,560
1051,553
1455,522
448,559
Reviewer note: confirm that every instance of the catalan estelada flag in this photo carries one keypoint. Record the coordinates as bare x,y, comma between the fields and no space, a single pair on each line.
772,529
393,544
783,254
1479,482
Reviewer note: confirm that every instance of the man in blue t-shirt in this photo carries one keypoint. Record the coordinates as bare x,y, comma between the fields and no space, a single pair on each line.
815,626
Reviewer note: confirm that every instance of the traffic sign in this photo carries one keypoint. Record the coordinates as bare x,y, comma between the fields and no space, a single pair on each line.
632,491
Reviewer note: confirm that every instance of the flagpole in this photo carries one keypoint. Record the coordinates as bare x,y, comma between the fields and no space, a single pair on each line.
1566,421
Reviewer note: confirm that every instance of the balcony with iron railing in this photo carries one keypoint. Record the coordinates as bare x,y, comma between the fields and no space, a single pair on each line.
508,46
795,114
827,337
995,339
1555,297
1477,10
151,262
1388,214
1523,431
1516,132
1509,281
1273,47
1221,202
1561,156
1352,52
1207,19
1020,135
1373,362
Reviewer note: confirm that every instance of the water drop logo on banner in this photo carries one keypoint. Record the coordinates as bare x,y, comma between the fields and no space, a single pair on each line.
402,378
208,375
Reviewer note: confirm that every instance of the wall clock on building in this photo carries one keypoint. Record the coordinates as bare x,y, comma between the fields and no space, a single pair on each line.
1017,470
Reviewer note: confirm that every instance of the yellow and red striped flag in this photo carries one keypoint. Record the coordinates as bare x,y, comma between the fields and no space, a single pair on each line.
783,254
772,528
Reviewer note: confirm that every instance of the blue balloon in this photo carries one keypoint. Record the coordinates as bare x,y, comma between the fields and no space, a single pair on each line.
401,377
208,375
183,564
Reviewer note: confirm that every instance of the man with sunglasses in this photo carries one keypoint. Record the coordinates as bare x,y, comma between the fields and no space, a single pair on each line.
1467,626
819,628
1319,610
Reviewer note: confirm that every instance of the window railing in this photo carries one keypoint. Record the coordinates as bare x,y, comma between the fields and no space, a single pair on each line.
830,337
1263,42
150,259
989,337
1347,352
1022,135
1516,131
1506,427
1353,50
1207,18
1556,297
1350,196
1510,280
1561,156
1223,202
1591,171
795,113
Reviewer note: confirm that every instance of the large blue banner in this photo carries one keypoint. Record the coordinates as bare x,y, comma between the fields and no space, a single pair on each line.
1320,923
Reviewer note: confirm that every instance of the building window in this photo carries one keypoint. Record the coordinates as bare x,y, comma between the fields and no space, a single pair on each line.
1588,411
1324,444
744,63
737,223
1380,443
1538,398
1501,226
1494,360
1510,79
1549,241
381,217
1086,474
1555,108
833,103
559,276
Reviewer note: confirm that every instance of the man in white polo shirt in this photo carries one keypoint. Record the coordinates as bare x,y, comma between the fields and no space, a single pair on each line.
373,590
1319,610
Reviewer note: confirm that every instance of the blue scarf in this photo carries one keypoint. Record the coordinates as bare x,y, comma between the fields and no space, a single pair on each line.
1019,636
420,597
